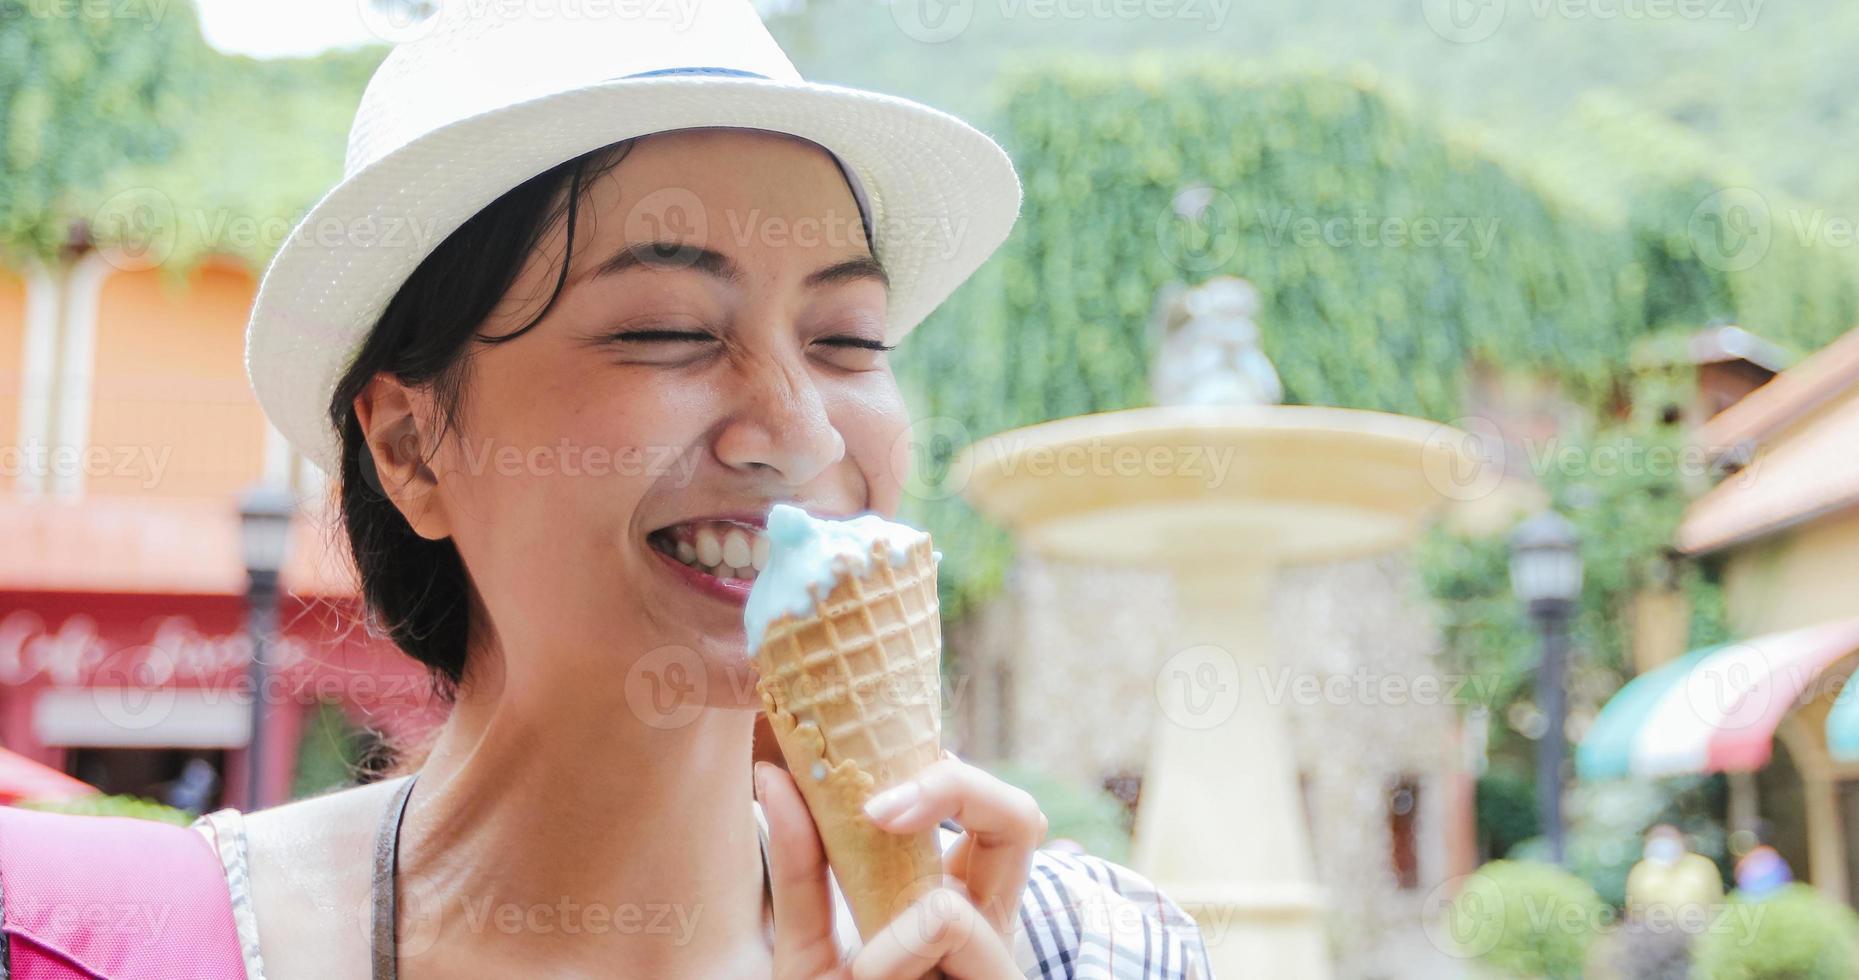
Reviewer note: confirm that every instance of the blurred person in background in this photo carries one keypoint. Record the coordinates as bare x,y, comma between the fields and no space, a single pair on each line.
1670,878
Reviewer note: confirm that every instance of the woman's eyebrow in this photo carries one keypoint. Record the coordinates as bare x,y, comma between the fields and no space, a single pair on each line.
863,267
668,255
677,255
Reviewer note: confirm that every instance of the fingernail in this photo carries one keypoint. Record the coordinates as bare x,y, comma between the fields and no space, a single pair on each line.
757,779
893,801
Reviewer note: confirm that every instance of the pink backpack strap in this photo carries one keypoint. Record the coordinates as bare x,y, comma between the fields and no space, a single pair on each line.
111,898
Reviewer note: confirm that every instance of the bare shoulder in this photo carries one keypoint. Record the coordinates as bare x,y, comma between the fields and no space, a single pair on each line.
311,864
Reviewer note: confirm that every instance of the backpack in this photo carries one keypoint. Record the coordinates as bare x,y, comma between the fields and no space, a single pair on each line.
112,898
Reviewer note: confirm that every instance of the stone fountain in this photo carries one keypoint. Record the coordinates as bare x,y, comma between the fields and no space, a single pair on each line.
1220,486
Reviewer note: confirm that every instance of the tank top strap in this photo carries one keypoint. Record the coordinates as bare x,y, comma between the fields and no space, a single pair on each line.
225,828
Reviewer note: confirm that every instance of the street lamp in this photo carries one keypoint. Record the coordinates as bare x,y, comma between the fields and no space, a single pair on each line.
264,540
1545,573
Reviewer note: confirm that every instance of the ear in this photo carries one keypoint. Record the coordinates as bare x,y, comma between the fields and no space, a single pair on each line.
393,424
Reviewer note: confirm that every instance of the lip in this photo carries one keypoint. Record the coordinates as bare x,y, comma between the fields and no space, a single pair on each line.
745,518
734,591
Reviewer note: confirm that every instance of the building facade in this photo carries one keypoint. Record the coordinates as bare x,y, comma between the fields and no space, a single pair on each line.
127,434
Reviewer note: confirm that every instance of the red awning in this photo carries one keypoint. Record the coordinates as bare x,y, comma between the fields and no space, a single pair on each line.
156,546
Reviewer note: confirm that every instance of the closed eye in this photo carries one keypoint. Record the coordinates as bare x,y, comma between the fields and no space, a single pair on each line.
662,336
864,343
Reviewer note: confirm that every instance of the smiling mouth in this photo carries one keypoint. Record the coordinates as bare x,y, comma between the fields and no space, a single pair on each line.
726,550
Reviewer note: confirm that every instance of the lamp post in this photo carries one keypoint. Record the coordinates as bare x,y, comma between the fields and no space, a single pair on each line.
264,539
1545,573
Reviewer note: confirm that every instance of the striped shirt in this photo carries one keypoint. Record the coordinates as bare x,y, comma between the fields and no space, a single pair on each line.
1080,916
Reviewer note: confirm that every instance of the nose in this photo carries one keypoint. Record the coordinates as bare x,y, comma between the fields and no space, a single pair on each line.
781,425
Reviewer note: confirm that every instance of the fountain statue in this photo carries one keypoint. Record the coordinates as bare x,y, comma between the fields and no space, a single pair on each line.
1220,487
1207,350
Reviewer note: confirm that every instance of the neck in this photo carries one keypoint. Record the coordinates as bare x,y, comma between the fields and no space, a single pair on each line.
546,814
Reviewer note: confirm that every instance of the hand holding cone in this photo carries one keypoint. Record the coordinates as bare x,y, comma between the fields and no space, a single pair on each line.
852,688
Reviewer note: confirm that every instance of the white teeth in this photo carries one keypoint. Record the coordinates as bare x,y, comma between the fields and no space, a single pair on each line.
687,552
709,549
736,548
759,554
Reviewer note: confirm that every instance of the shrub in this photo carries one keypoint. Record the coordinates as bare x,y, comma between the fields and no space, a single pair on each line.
1525,919
121,805
1092,817
1796,934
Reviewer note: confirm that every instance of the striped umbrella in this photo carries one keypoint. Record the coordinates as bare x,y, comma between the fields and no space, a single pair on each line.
1714,709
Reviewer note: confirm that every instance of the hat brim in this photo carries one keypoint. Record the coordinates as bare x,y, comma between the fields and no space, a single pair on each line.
943,197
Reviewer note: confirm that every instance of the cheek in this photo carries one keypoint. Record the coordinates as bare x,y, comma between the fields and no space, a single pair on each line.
566,456
877,432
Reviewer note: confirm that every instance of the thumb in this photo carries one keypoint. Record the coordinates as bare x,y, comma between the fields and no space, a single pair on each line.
803,900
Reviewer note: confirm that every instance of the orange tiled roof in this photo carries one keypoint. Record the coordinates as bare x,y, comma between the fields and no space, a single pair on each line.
99,543
1813,472
1792,394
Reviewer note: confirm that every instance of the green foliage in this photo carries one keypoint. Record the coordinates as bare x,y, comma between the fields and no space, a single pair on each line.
122,123
1506,810
1092,817
1389,252
81,90
329,754
1525,919
1766,83
119,805
1625,483
1796,934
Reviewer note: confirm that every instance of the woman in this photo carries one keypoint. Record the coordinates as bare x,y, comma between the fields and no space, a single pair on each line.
657,308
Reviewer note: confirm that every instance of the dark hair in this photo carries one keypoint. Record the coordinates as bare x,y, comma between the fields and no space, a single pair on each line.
415,590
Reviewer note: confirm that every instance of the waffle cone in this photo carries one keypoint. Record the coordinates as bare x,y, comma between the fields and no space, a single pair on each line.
854,698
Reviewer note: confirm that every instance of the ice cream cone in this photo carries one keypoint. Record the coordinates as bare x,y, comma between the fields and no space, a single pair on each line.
853,695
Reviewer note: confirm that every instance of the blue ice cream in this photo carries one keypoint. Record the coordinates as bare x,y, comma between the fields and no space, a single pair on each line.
803,555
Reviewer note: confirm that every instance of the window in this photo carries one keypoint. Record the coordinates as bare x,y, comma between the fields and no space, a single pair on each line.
1403,809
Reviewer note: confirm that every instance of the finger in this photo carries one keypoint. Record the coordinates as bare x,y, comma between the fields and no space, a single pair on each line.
941,929
803,901
1002,823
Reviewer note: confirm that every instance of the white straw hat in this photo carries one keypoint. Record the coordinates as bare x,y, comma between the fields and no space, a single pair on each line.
491,94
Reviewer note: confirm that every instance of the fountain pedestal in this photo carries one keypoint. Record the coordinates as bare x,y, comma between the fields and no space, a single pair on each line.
1221,498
